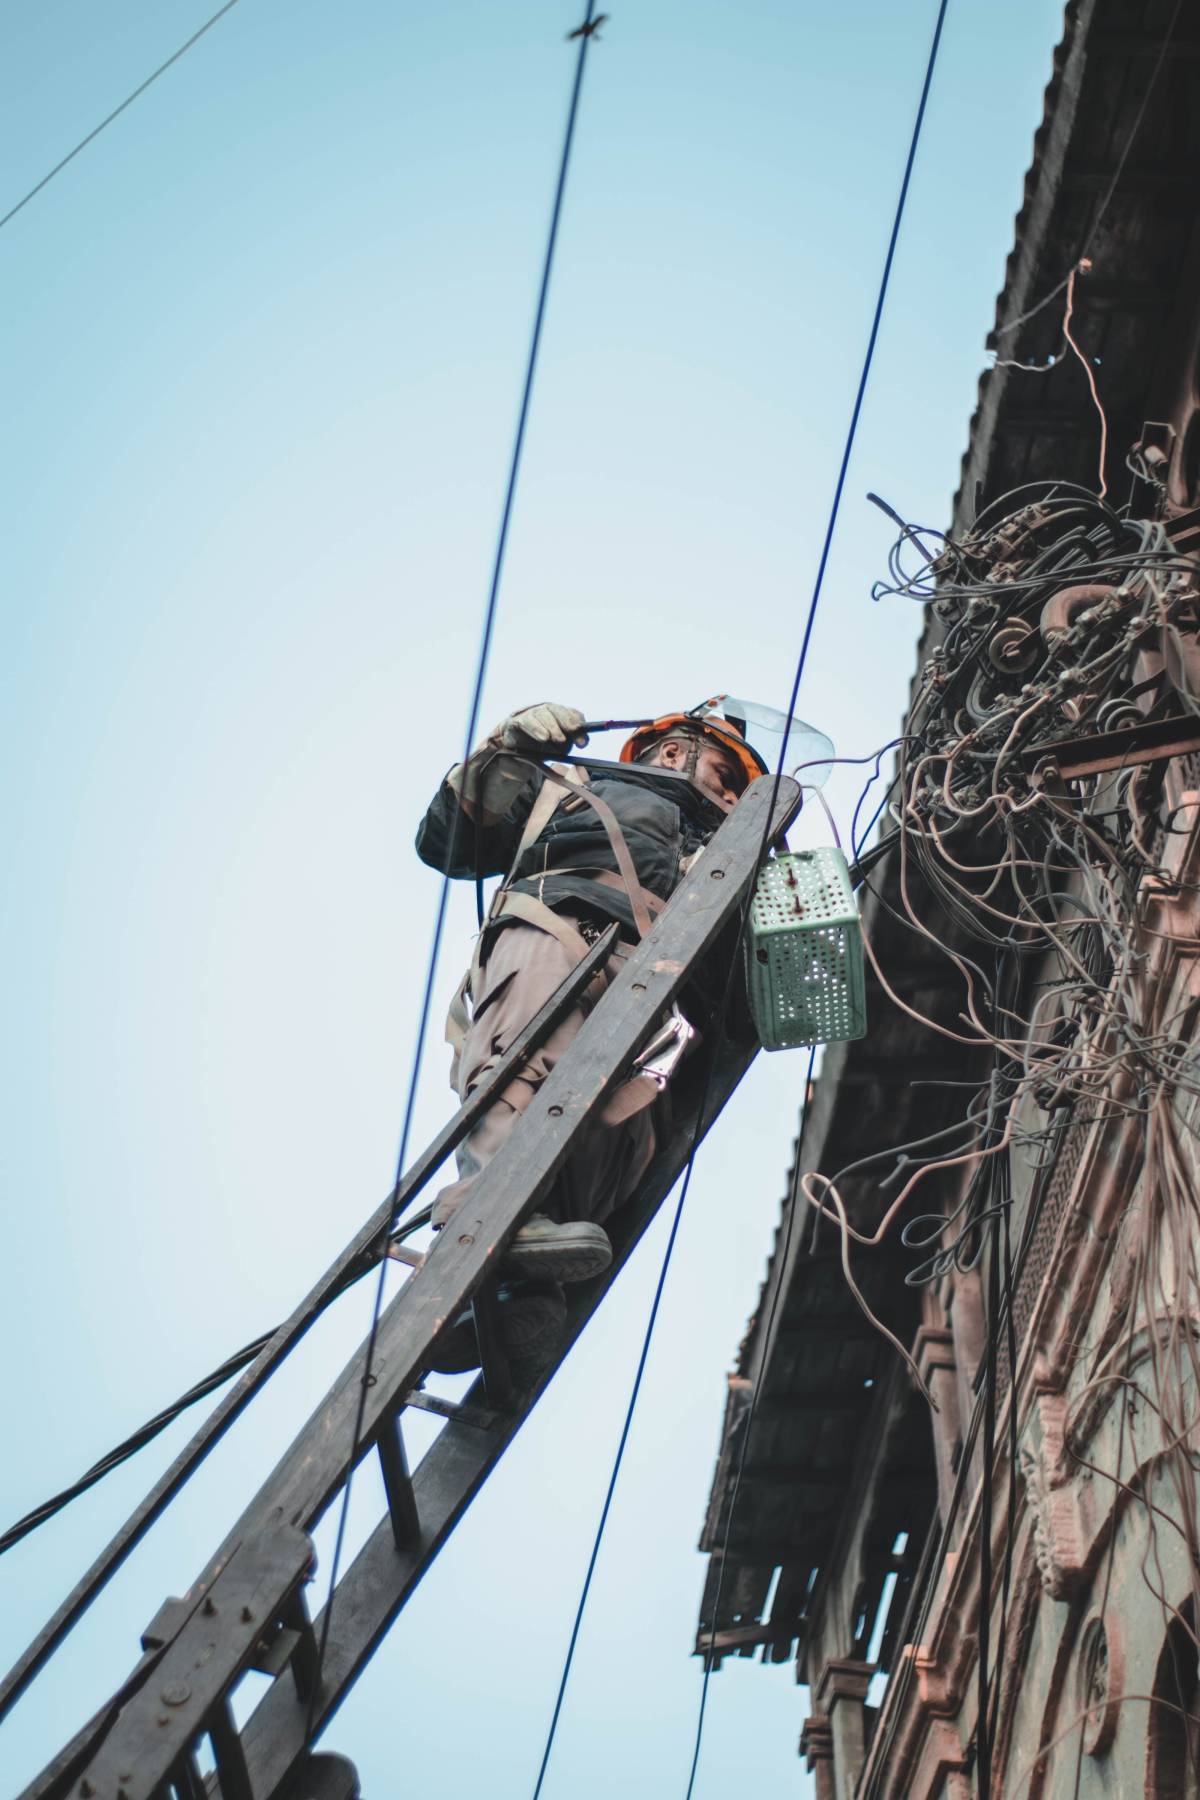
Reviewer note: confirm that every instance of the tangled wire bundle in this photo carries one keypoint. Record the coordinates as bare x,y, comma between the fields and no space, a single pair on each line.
1056,620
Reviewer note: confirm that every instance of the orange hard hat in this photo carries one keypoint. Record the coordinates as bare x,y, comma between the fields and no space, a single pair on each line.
722,731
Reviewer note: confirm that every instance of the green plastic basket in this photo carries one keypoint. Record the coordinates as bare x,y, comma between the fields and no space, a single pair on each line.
804,956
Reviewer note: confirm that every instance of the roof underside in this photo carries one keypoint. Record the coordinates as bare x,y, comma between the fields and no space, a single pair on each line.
824,1370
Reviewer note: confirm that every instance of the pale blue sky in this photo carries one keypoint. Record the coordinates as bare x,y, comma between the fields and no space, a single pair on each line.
262,352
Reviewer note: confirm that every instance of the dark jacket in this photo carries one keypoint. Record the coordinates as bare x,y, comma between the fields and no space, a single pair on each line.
663,818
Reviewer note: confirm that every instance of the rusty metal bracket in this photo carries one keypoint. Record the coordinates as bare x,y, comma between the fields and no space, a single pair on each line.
1155,740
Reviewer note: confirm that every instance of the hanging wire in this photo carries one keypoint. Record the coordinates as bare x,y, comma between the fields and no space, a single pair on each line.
1045,606
241,1359
769,1325
633,1397
585,36
200,1390
116,112
839,488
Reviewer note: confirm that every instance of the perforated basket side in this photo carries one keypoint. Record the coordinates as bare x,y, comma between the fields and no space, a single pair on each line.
804,967
803,887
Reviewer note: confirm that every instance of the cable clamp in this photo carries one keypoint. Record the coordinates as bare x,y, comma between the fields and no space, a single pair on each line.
589,30
666,1049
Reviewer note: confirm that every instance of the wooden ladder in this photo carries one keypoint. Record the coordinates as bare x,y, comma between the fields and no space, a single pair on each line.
247,1610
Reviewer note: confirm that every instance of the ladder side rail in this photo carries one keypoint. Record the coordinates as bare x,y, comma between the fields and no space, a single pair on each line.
318,1463
380,1581
354,1260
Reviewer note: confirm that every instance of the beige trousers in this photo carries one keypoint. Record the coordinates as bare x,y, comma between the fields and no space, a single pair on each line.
523,968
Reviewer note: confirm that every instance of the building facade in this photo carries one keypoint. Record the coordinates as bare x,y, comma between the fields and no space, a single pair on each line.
958,1468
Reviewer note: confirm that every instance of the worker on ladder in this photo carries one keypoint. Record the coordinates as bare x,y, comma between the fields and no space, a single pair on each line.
577,853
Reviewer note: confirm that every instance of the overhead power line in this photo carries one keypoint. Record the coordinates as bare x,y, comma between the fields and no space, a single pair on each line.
585,36
818,587
130,1446
145,1434
240,1359
798,676
117,111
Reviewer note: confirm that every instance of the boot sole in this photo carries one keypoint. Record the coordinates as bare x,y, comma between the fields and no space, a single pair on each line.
526,1334
564,1263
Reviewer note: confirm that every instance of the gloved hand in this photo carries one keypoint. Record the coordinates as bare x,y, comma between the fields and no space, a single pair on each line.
545,727
489,782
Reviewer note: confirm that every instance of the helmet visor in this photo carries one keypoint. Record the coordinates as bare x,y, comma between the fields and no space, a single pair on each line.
783,740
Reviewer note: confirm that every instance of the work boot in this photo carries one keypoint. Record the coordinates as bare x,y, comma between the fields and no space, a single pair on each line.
573,1252
530,1317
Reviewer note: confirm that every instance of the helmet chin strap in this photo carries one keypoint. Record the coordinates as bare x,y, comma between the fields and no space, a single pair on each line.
693,745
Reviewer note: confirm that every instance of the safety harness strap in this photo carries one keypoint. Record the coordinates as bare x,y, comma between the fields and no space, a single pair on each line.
620,849
531,911
559,783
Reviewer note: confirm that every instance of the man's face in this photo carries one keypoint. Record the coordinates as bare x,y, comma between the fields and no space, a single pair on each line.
716,770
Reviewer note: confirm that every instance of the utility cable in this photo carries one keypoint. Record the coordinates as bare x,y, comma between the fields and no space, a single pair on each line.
818,587
717,1032
585,36
137,1440
768,1327
153,1427
633,1399
234,1363
801,662
658,1293
117,111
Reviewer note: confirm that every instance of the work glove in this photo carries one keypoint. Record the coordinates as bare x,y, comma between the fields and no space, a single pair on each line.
545,727
490,782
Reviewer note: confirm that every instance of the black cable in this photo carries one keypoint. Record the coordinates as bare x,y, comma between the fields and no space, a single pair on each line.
1085,945
722,1010
784,1249
136,1441
200,1390
637,1383
721,1013
584,39
922,1592
834,510
117,111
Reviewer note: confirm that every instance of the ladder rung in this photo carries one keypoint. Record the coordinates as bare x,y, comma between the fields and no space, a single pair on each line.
187,1781
481,1417
305,1660
406,1525
272,1655
229,1753
245,1592
497,1376
402,1254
